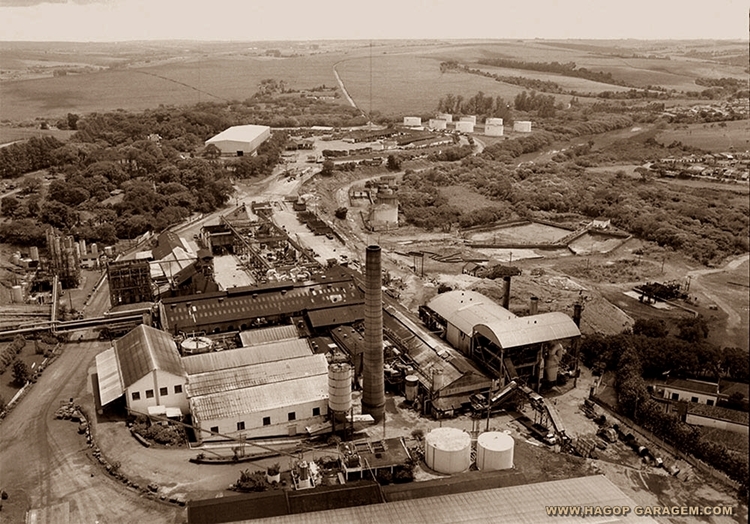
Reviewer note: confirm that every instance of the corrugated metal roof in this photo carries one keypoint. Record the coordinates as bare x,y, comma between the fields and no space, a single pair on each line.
145,349
108,376
466,309
524,504
255,337
256,375
336,316
234,358
245,133
241,305
522,331
259,398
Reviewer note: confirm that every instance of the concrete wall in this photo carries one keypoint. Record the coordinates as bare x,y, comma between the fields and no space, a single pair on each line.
280,424
702,420
153,382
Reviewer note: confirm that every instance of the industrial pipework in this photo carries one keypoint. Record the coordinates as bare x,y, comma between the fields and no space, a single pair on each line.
373,381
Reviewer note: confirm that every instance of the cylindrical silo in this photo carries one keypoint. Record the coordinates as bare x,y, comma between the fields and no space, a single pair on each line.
373,390
533,306
552,363
448,450
339,387
495,451
109,251
16,294
437,379
411,386
34,253
82,244
16,259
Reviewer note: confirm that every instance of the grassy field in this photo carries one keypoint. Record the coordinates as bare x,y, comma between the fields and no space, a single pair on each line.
711,137
12,134
406,75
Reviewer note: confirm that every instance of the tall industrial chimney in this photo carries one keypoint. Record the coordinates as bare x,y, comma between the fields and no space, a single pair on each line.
506,296
373,395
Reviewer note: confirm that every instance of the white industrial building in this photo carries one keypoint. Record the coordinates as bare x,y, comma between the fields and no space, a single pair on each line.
275,398
494,129
444,116
412,121
469,118
240,140
145,366
522,126
465,126
462,310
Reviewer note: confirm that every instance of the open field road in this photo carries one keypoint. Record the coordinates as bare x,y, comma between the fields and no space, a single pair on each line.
47,467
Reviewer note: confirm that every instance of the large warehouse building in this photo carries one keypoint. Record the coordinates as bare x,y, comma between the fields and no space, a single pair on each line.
504,344
240,140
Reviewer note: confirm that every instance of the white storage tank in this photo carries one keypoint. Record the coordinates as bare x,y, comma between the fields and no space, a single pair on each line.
469,118
522,126
16,294
437,379
495,451
448,450
34,253
16,259
411,386
465,127
494,121
340,387
412,121
436,123
445,116
494,129
195,345
109,251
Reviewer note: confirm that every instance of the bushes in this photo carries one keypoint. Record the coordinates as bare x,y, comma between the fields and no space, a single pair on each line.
165,435
10,352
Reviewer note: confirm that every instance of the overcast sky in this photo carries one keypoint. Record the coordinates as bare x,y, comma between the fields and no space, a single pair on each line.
118,20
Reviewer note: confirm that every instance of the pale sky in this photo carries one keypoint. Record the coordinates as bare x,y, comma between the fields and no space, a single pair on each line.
248,20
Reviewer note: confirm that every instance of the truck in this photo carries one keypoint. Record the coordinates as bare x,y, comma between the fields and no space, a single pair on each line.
539,431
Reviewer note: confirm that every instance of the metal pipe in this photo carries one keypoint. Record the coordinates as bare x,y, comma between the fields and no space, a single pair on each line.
373,394
506,296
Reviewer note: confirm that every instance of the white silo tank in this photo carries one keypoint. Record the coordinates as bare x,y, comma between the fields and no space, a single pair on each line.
437,123
82,247
437,379
412,121
448,450
34,253
469,118
465,127
411,386
16,294
495,451
16,259
494,129
445,116
340,387
494,121
522,126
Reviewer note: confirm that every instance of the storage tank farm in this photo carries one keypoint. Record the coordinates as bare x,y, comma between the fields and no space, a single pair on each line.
448,450
373,379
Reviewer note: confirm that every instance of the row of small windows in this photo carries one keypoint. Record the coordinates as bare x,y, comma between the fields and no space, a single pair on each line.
709,402
291,416
163,392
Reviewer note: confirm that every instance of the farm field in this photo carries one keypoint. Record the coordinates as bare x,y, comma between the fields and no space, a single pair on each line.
711,137
410,84
566,82
9,135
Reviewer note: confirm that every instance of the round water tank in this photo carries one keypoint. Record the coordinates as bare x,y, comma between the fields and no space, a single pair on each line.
411,385
34,253
16,294
340,387
109,251
448,450
16,258
194,345
495,451
437,379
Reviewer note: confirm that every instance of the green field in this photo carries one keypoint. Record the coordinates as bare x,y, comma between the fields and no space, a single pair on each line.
711,137
13,134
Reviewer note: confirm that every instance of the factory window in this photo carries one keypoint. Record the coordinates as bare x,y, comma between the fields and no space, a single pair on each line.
710,402
316,412
163,392
693,399
292,416
675,396
241,425
178,388
266,421
214,429
149,393
136,395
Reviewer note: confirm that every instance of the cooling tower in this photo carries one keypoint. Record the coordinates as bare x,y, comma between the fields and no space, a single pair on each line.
373,394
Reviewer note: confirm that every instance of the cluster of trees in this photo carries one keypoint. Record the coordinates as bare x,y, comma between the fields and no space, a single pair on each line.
544,105
567,69
31,155
480,105
8,356
635,356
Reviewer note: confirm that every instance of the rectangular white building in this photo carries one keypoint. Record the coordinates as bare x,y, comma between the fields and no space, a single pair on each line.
240,140
522,126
